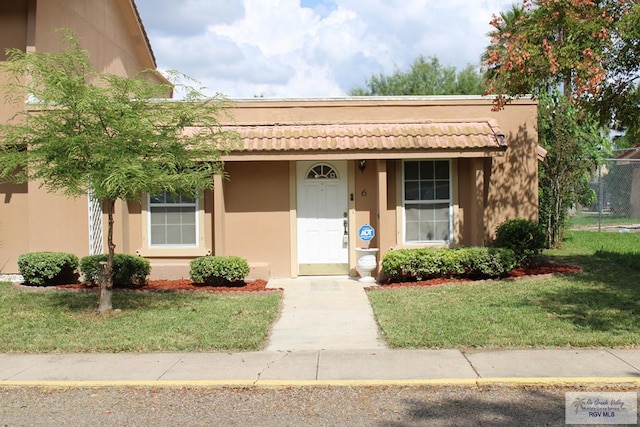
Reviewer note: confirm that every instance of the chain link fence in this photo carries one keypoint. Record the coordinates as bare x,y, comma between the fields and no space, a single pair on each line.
616,186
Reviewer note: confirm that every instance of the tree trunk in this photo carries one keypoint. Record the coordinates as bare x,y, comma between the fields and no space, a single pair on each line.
106,268
554,214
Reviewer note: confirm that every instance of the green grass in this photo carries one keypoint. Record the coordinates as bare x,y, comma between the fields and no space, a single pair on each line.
590,219
599,307
57,321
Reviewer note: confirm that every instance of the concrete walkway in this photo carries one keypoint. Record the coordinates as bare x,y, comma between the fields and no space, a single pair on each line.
324,313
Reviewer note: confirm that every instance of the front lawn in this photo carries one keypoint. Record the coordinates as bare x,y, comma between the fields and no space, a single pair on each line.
61,321
599,307
591,220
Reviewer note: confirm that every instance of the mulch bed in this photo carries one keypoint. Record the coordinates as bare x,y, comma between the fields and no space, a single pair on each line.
548,270
260,286
181,285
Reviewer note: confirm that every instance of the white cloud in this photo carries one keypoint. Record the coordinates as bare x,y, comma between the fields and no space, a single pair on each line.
187,17
278,48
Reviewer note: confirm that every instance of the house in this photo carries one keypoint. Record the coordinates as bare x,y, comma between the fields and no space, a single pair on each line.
422,171
113,34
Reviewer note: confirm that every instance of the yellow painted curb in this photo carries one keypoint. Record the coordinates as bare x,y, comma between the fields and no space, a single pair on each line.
558,381
367,383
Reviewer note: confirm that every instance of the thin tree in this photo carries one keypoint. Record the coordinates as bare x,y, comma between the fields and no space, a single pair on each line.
108,135
573,141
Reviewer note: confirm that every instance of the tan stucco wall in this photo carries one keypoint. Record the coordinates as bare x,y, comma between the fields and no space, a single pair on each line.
13,25
30,218
366,198
33,220
13,34
14,202
108,30
57,222
256,221
14,225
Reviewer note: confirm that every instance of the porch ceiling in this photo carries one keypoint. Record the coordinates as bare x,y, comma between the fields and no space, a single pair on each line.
458,139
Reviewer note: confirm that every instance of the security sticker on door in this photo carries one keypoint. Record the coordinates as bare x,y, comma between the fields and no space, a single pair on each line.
366,232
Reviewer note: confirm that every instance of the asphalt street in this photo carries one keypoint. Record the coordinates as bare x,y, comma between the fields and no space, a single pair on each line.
288,406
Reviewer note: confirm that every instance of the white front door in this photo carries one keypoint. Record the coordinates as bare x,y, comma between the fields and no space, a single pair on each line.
322,218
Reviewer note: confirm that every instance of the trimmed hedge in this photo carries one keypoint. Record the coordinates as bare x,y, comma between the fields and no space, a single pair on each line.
48,268
405,265
128,270
218,270
524,237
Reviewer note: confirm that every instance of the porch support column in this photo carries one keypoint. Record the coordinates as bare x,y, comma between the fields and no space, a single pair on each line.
218,216
293,216
352,218
383,231
478,205
488,227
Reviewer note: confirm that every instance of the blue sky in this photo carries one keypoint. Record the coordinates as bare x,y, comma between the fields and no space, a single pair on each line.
311,4
310,48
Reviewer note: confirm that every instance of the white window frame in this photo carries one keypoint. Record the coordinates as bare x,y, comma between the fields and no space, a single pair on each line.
449,201
196,215
322,171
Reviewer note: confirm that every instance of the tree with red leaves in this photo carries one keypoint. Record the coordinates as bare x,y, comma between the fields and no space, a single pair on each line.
582,59
590,49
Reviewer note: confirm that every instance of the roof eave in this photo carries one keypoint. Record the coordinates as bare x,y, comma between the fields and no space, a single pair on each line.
144,49
363,154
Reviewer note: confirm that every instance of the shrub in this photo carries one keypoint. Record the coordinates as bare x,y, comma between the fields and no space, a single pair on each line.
397,265
490,262
218,270
48,268
422,264
128,270
524,237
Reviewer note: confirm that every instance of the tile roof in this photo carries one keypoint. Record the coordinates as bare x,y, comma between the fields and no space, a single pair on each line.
371,136
631,153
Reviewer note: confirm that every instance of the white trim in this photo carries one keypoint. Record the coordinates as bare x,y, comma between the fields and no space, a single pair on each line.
339,255
293,218
327,165
173,250
404,202
196,207
96,227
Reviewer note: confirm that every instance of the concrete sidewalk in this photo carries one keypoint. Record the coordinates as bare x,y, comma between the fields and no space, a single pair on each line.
325,367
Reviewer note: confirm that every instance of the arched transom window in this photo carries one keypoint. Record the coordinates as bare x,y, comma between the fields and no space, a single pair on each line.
322,171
